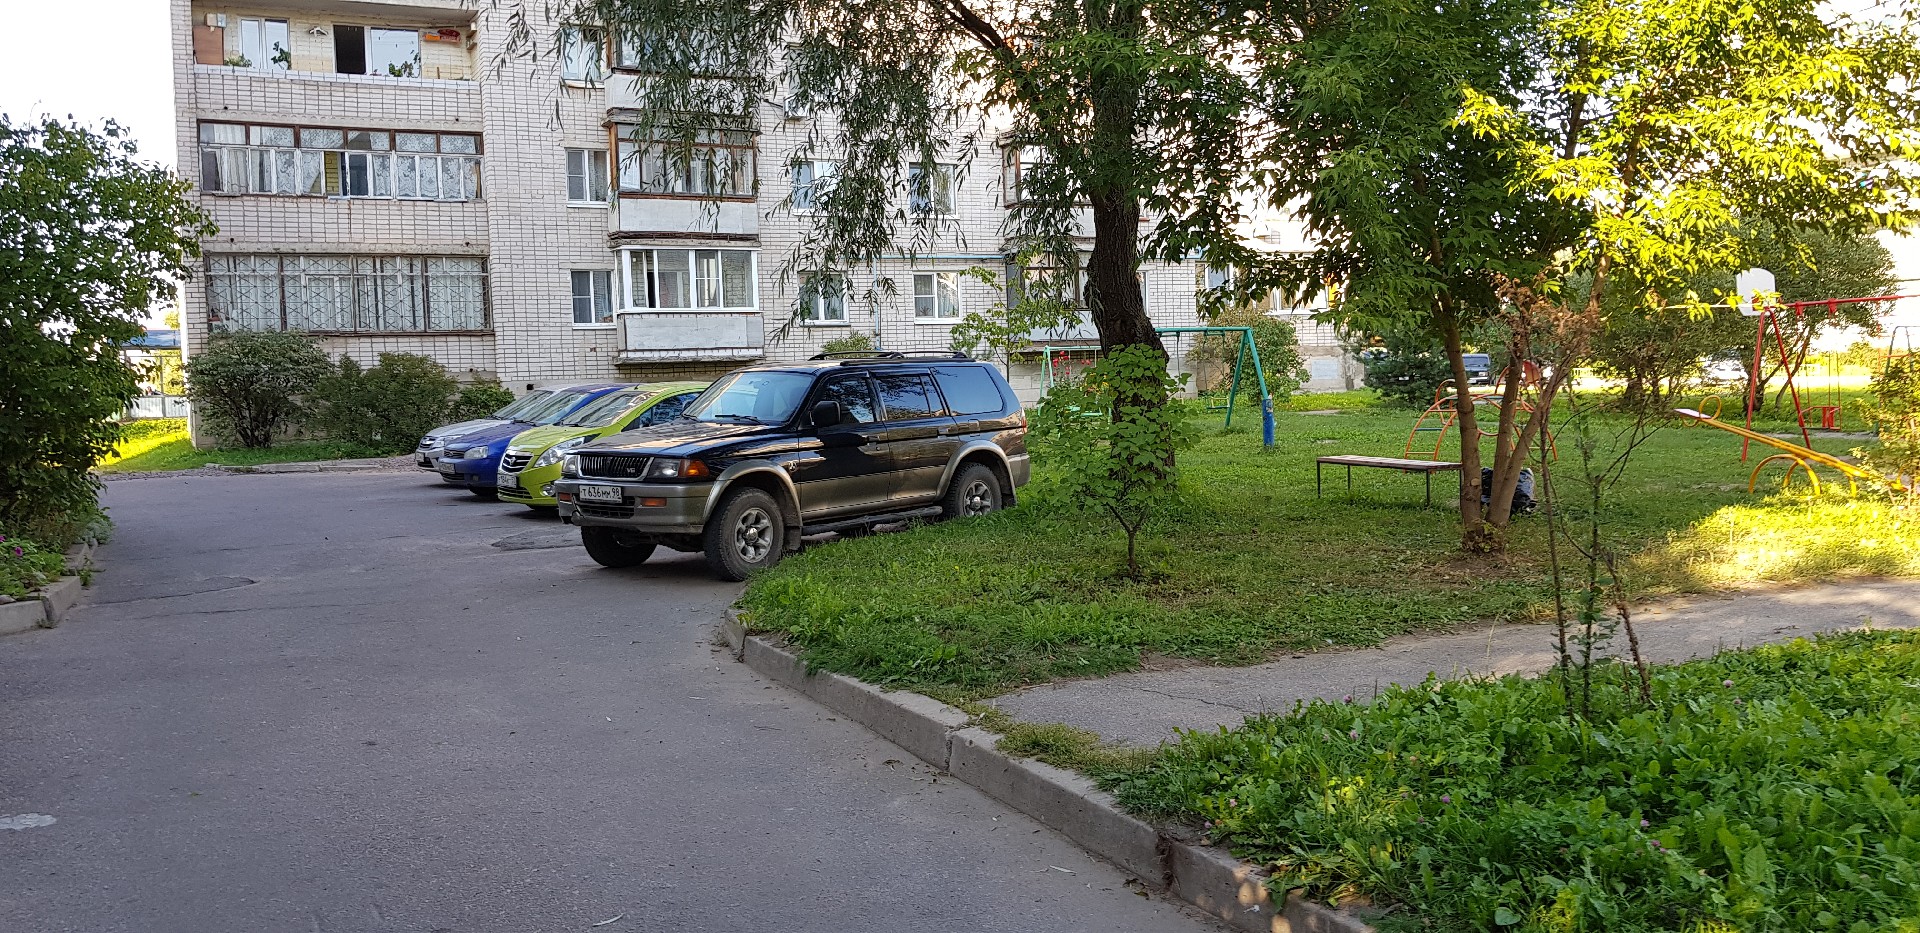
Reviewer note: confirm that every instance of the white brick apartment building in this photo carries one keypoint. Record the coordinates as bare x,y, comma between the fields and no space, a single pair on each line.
386,178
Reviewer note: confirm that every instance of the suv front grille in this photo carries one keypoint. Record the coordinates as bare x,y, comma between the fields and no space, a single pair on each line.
612,466
514,462
604,511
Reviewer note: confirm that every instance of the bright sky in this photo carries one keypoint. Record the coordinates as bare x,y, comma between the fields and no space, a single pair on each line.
123,72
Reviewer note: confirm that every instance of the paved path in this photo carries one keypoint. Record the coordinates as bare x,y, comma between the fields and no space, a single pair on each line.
1144,708
320,703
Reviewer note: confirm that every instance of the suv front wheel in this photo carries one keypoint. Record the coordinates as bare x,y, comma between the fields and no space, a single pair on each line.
975,490
745,535
614,547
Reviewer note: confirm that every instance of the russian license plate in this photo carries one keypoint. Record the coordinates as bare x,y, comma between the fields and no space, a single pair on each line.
599,494
447,468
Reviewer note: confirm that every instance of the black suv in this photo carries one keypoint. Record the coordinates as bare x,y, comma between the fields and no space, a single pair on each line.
776,451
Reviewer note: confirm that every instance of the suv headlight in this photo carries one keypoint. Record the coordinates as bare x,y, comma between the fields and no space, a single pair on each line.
477,453
671,469
552,455
570,465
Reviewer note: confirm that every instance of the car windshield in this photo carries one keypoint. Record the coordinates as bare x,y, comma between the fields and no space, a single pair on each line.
523,404
555,408
604,410
758,397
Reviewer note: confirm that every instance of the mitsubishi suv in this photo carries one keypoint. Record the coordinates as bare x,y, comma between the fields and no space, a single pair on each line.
773,452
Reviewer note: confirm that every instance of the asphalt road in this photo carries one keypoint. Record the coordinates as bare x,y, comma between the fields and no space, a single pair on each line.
361,702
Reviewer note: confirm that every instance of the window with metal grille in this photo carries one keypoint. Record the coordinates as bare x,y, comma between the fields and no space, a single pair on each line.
346,294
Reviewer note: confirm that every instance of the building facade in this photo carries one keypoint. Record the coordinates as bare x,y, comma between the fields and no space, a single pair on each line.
390,178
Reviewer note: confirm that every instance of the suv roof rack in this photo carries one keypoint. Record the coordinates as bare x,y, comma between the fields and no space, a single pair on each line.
852,357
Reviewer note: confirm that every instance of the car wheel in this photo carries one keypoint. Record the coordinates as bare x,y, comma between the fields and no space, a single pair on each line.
745,535
484,492
614,547
974,491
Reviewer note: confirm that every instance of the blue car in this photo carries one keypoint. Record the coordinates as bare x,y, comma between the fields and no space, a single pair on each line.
472,460
434,445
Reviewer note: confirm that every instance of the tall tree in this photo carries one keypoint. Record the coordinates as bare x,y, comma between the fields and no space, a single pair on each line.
90,240
1687,130
1115,110
1414,215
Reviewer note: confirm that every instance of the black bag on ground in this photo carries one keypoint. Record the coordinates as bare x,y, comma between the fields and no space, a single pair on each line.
1523,503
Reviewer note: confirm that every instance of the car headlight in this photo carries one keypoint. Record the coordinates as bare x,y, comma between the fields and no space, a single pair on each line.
671,469
477,453
552,455
570,465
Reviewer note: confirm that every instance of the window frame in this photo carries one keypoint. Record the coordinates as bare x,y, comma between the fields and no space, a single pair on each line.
637,167
336,162
365,273
936,279
266,62
586,45
599,295
817,187
654,290
948,192
590,159
813,307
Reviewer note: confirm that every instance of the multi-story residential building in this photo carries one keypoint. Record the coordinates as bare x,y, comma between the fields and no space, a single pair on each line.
389,177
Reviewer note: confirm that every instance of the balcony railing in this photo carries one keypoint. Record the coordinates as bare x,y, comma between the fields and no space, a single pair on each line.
691,336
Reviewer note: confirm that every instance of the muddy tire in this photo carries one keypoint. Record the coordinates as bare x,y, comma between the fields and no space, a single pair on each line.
975,491
745,535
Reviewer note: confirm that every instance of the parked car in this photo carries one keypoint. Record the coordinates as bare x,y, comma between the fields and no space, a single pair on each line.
472,460
1724,369
427,455
532,460
773,452
1479,368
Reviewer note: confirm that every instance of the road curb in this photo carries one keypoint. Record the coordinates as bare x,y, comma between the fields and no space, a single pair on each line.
1208,878
48,606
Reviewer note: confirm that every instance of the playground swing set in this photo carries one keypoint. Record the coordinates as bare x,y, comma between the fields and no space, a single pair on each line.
1795,456
1246,355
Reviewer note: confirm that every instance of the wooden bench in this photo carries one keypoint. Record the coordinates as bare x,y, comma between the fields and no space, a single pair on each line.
1425,467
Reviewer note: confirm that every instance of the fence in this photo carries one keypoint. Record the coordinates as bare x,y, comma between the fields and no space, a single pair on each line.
158,406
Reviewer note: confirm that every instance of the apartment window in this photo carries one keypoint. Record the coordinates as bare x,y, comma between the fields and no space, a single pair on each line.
823,299
582,54
811,182
240,158
593,297
645,50
347,294
792,100
930,188
690,280
587,175
264,45
936,296
715,163
375,50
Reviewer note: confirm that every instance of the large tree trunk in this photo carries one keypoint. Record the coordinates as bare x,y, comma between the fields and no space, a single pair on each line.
1112,186
1475,533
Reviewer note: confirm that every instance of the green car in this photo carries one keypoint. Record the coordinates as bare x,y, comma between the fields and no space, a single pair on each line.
532,460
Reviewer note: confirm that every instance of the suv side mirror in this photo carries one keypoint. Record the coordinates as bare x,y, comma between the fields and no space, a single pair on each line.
827,413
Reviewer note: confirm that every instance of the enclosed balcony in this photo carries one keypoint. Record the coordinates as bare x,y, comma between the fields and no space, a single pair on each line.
683,304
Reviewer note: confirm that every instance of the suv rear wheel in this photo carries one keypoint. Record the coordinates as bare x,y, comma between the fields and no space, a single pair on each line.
613,547
974,491
745,535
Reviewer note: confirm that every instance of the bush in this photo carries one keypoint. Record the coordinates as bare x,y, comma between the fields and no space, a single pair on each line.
1111,437
24,565
1894,410
388,407
851,343
1406,367
1765,790
250,387
92,239
1279,346
479,400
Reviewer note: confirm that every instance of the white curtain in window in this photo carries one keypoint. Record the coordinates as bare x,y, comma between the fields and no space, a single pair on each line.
456,294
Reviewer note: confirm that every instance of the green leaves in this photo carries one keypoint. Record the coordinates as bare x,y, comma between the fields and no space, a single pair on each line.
249,387
90,240
1767,790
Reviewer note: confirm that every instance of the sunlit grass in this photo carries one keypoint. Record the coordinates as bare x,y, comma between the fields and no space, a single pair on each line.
162,444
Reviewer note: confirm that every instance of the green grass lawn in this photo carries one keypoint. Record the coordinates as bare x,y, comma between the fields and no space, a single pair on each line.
1763,790
1251,563
162,444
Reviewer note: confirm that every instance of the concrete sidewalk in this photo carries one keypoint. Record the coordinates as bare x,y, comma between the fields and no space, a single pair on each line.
1144,708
